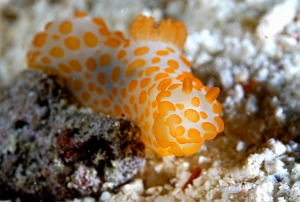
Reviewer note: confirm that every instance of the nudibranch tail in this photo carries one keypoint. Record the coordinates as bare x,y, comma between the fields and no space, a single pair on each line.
145,78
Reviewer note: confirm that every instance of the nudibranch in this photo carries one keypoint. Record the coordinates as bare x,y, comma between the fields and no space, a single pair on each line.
145,78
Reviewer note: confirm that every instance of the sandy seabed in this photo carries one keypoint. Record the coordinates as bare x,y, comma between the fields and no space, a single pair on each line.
250,49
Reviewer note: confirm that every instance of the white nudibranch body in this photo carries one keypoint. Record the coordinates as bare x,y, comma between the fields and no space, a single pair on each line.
145,78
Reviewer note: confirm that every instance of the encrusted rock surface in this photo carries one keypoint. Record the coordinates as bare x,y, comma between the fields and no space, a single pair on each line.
50,149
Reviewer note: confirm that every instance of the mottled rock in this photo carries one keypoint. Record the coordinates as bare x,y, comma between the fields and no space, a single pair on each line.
50,149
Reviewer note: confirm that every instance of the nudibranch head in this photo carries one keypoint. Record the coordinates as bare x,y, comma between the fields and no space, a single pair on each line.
188,114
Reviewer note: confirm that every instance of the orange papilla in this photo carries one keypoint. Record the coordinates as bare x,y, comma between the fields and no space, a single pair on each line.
187,85
212,94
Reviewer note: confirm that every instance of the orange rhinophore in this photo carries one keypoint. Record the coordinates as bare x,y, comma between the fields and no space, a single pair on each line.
145,78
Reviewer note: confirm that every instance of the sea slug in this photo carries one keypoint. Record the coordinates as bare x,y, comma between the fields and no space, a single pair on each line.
145,78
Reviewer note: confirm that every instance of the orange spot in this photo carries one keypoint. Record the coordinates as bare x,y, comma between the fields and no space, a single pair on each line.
46,60
131,68
66,27
150,89
141,73
99,90
163,94
212,94
155,60
210,130
164,107
174,86
150,70
142,118
131,99
112,42
146,127
85,96
91,64
114,91
173,63
123,92
115,73
169,70
162,52
77,85
141,51
147,112
111,97
143,97
75,65
220,123
64,68
203,115
105,103
99,21
126,44
185,61
91,86
164,84
104,59
154,104
195,101
95,102
104,31
48,25
144,82
121,54
127,110
101,78
87,76
72,43
90,39
39,40
55,37
192,115
56,52
120,35
187,85
171,49
160,76
180,106
132,85
80,14
118,110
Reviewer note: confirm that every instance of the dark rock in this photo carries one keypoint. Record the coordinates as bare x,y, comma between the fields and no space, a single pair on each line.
50,149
